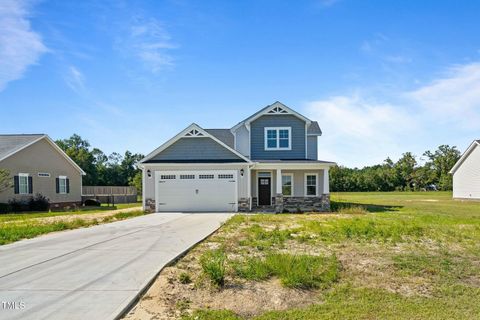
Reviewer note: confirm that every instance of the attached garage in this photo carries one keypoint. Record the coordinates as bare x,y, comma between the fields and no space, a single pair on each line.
202,190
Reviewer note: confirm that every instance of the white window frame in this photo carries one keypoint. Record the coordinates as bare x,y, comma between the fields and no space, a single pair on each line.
60,178
291,187
277,129
23,175
316,184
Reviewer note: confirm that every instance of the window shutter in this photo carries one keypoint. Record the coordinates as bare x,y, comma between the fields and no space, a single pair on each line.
16,185
57,185
67,181
30,185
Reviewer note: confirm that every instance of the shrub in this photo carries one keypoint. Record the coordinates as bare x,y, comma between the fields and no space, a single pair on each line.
184,278
5,208
39,203
213,265
18,205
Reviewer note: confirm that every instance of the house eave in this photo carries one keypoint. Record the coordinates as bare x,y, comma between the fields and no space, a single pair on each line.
464,156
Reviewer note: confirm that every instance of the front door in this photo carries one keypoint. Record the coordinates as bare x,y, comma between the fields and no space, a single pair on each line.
264,194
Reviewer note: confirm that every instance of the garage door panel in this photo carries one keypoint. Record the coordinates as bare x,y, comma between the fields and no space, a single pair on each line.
200,192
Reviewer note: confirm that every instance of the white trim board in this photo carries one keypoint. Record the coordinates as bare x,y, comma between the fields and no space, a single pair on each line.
465,155
266,111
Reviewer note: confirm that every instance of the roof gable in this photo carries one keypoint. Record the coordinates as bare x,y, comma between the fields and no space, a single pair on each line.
276,108
193,131
12,144
465,155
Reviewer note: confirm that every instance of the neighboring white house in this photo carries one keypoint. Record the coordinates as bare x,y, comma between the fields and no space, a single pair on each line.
466,174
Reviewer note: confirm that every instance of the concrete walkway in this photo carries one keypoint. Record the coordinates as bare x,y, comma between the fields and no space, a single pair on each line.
94,273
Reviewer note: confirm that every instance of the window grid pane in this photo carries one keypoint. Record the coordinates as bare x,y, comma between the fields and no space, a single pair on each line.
62,184
287,185
311,185
23,184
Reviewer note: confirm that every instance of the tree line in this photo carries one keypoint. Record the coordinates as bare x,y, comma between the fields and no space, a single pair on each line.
101,169
406,174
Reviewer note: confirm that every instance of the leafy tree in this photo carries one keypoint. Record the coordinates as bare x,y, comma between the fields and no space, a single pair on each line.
79,150
5,180
111,170
440,163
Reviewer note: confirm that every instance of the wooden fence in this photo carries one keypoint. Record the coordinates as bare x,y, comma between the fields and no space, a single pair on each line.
107,194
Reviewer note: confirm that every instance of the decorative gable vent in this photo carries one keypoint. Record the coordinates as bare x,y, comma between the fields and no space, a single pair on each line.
194,133
278,110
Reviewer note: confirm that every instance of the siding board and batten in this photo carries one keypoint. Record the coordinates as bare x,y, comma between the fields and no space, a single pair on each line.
466,177
257,128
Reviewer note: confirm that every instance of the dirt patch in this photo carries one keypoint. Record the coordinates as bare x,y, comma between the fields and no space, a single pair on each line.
169,299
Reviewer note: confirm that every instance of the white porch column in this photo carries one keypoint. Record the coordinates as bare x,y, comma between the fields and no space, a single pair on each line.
279,181
326,185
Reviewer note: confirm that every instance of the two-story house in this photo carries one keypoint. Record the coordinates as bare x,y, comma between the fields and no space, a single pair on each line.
265,162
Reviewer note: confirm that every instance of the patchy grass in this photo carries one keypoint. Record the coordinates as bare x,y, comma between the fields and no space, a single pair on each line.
378,256
213,265
294,271
25,229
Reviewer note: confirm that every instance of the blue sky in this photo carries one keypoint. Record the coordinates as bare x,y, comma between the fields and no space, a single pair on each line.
381,77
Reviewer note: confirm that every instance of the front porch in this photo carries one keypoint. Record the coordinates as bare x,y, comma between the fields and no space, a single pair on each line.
293,187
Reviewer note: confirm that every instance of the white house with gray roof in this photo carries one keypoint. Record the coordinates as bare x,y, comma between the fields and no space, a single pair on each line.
267,162
466,173
37,165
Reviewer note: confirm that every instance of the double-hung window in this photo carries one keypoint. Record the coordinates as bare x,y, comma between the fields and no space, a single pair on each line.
287,185
278,138
23,183
62,185
311,185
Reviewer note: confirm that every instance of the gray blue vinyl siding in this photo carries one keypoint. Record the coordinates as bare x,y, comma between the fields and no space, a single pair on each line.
196,149
312,152
257,143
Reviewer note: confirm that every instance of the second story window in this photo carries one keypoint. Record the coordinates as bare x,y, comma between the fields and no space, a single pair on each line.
278,138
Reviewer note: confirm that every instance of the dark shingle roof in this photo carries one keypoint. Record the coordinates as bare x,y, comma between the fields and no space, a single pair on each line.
314,129
10,143
223,135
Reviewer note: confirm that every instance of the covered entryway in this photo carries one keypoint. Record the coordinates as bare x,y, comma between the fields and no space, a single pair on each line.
202,190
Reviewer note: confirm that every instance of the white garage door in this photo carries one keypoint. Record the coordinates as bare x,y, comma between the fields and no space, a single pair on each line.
204,190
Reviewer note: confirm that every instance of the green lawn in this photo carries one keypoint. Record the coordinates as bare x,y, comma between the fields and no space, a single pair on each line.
82,210
381,256
18,226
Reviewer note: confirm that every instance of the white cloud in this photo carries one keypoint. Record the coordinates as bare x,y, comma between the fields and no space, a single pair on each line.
150,42
356,128
20,46
454,98
359,130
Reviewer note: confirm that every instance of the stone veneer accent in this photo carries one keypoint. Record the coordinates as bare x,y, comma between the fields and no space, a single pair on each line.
149,205
243,205
304,204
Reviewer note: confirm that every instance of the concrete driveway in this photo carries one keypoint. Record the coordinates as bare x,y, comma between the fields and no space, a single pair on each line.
94,273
